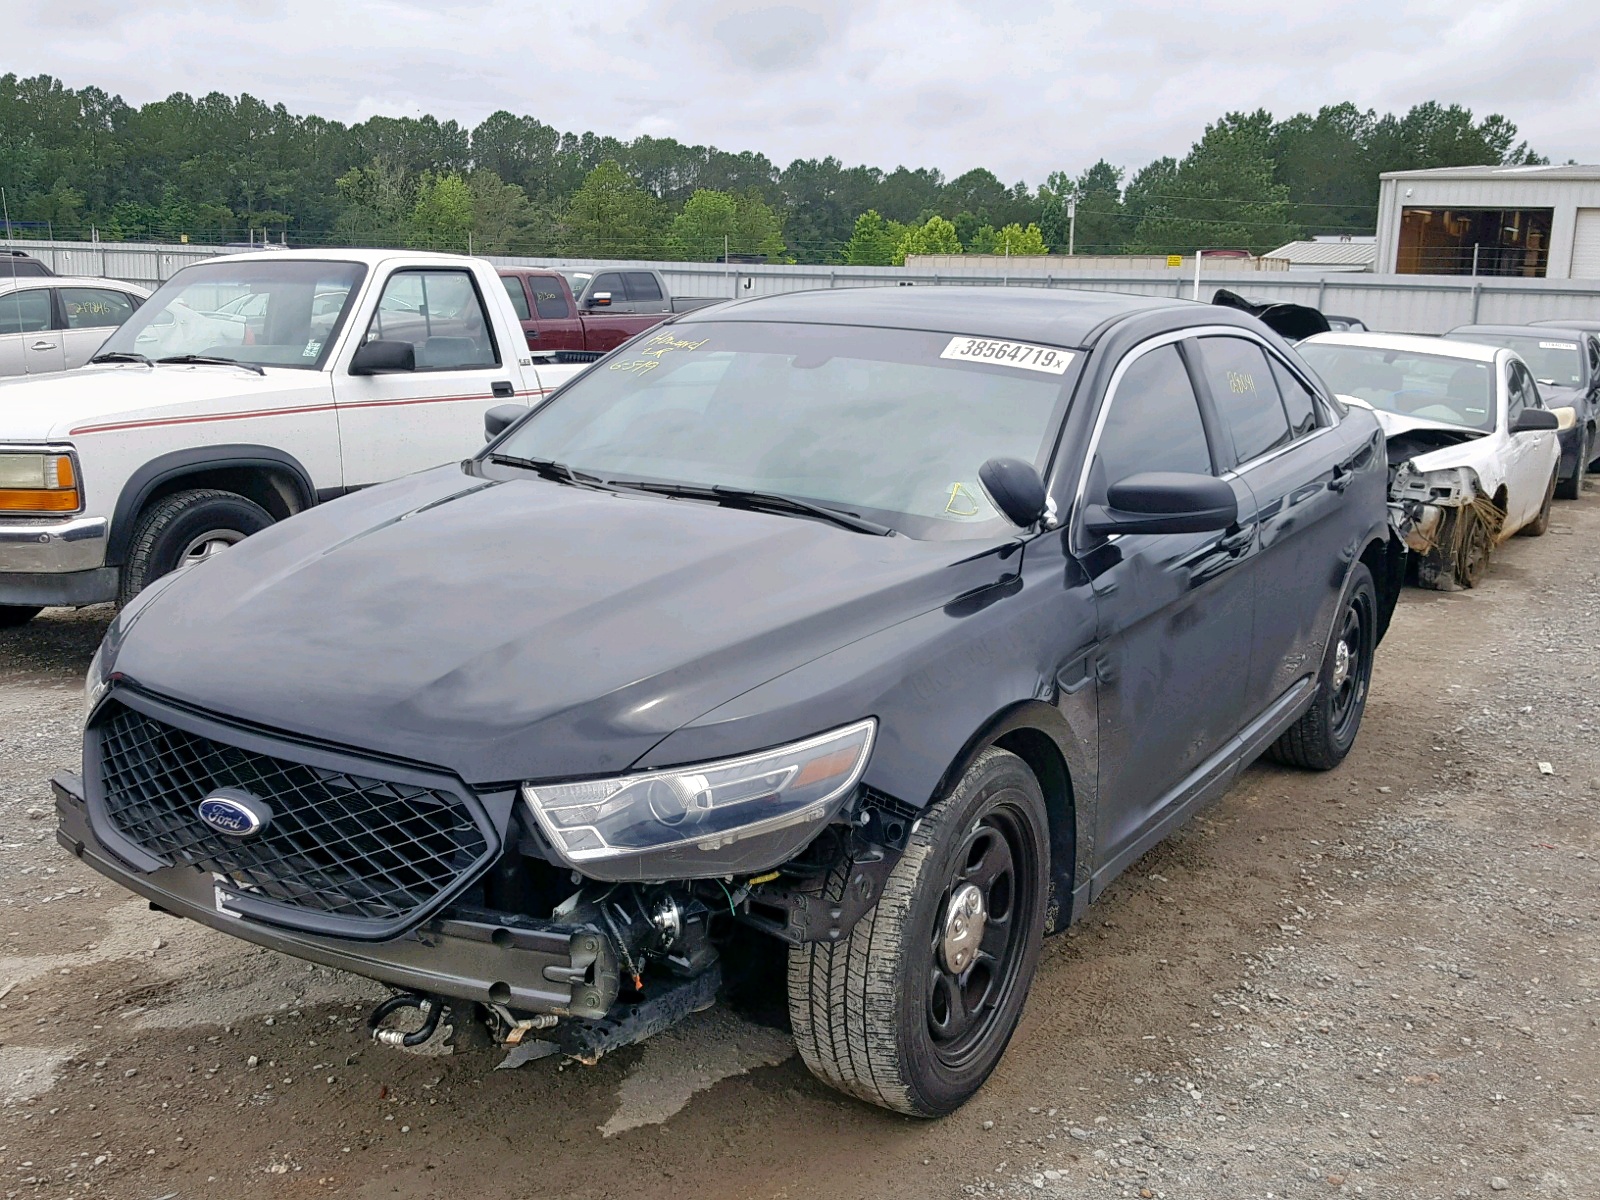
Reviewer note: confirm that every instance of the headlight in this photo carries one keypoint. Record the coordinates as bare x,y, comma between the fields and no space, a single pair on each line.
39,483
730,817
96,682
1566,418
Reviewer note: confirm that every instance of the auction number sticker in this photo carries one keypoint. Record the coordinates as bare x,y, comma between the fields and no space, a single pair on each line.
1008,354
1558,345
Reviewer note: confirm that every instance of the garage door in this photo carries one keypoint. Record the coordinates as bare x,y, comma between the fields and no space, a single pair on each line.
1586,245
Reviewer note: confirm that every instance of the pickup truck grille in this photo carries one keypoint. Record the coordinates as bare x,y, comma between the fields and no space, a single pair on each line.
340,849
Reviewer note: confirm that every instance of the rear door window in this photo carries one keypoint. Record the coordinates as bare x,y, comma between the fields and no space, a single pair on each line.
610,281
549,300
1298,401
519,298
643,288
1245,395
95,308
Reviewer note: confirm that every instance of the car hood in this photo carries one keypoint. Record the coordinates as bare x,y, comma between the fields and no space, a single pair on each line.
74,403
1563,397
522,629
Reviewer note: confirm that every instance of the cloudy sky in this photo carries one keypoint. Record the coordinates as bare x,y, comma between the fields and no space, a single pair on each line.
1023,87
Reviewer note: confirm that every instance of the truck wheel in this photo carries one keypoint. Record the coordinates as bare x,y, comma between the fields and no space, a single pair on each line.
12,615
914,1010
1321,738
185,528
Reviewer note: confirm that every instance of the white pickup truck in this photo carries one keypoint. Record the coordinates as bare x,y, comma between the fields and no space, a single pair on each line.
246,389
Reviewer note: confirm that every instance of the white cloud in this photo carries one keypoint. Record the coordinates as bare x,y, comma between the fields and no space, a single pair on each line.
1023,90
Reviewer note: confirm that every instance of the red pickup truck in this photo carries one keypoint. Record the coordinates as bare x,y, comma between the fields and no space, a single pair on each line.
590,311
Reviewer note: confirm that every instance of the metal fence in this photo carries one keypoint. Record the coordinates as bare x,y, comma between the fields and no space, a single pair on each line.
1398,303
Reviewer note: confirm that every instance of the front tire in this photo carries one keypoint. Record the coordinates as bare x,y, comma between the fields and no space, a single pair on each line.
1541,520
1321,738
913,1011
13,615
1572,489
185,528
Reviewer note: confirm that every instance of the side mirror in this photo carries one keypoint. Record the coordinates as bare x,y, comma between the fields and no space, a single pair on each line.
600,300
1532,420
1015,488
1163,502
383,358
500,418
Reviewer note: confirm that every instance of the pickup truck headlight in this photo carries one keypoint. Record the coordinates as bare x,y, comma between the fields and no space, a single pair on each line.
728,817
39,483
1566,418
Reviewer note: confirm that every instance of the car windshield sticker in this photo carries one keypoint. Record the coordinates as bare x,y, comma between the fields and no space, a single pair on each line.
653,351
313,348
1558,345
1008,354
961,503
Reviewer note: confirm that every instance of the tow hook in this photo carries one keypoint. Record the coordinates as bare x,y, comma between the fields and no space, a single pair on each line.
430,1007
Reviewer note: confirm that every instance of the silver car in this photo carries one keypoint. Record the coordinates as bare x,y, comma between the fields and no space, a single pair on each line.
55,323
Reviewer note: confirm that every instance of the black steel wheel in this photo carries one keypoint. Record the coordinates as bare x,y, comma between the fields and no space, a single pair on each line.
914,1010
1321,738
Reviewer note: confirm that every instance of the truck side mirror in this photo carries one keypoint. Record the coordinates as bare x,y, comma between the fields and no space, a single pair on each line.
383,358
500,418
600,300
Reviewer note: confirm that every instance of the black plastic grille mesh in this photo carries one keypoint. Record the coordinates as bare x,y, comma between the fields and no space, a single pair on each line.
339,844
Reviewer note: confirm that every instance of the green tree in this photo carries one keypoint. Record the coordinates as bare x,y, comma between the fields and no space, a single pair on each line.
1222,195
872,244
934,236
759,228
1015,240
708,221
611,216
504,220
441,215
377,201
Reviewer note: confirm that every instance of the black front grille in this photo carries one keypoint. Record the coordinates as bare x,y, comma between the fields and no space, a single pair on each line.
339,846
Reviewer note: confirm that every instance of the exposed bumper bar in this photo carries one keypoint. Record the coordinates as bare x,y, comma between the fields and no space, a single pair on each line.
54,547
532,966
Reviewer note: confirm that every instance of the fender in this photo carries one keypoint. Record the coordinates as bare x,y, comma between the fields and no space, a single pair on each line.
167,467
1069,798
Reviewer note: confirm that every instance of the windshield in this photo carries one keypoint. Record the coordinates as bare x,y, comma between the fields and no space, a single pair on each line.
1433,387
267,314
889,424
1555,361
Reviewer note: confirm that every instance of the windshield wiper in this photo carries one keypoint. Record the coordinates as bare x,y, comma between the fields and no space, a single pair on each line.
116,356
754,501
548,468
209,360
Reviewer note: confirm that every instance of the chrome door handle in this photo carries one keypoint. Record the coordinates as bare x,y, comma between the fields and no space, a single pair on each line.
44,345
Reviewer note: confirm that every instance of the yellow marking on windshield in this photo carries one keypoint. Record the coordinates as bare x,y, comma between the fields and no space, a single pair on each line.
961,503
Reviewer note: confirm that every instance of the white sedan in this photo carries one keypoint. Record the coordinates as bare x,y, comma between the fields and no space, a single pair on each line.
1472,449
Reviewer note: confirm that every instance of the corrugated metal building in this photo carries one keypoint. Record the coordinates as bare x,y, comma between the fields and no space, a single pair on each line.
1329,254
1524,222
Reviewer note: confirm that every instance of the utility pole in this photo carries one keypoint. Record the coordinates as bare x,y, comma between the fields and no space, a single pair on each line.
1072,221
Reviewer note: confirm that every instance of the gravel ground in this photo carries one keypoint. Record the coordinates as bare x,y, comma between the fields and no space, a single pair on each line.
1376,982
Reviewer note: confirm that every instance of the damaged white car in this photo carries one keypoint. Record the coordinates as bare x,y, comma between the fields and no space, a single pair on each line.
1473,454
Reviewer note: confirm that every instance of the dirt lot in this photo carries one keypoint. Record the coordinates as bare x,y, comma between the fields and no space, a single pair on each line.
1378,982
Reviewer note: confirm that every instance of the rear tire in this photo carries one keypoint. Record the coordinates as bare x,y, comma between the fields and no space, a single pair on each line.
1321,738
185,528
13,615
897,1014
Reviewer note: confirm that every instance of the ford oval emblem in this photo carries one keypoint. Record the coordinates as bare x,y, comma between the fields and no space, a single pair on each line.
235,812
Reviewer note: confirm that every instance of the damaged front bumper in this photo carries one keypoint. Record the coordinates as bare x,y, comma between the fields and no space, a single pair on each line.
1420,503
490,958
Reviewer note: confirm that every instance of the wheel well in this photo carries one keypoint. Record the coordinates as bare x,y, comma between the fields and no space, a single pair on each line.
1500,498
1386,559
1038,749
273,489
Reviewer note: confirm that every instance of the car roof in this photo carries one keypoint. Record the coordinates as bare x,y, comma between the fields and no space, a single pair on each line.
1506,330
36,281
1410,343
1054,316
1585,324
339,254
